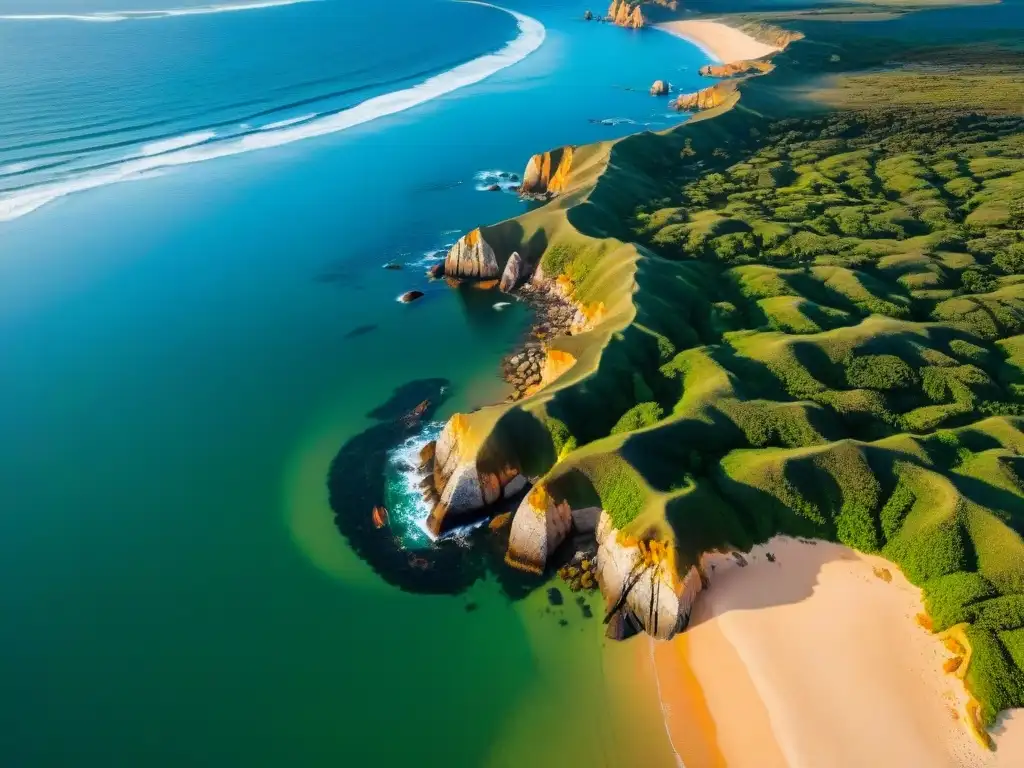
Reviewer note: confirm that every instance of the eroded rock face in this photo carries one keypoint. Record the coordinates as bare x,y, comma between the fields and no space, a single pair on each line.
461,487
471,257
626,14
512,274
538,527
645,589
706,98
547,173
736,68
660,88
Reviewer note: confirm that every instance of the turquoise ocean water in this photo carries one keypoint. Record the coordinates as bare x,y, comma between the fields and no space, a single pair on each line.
196,203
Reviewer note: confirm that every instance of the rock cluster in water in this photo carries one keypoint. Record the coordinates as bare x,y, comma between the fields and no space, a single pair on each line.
659,88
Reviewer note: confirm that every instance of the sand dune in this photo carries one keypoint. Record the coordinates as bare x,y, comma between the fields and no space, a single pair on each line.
815,660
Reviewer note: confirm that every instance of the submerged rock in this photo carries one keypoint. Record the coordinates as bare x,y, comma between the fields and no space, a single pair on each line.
410,296
588,16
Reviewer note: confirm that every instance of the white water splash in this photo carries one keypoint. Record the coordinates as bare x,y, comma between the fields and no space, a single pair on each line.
531,37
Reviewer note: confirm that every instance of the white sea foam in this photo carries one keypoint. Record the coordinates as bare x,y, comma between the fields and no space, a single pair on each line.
286,123
111,16
408,510
530,38
178,142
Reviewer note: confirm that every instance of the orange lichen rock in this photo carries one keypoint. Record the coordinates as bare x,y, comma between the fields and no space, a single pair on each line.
556,362
925,621
379,517
548,172
587,316
953,646
626,14
538,498
472,257
500,521
706,98
737,68
952,664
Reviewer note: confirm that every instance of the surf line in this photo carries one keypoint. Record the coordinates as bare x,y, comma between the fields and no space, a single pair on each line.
111,16
531,36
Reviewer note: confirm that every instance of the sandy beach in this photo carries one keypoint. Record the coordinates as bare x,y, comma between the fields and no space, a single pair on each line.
816,659
719,41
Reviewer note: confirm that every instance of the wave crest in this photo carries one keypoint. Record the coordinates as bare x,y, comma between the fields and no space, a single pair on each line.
530,38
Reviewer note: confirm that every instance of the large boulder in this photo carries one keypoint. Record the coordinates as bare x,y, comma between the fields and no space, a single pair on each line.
538,527
462,487
512,274
547,173
471,257
640,580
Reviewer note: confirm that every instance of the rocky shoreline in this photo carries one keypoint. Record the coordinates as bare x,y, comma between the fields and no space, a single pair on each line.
553,316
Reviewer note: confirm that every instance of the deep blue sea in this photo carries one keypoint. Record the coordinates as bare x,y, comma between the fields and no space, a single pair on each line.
196,203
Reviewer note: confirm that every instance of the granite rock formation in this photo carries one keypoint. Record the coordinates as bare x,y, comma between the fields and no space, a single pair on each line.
660,88
547,173
626,14
538,527
472,257
512,274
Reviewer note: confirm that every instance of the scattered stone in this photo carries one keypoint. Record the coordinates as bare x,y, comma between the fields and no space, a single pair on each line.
555,596
770,556
588,16
494,188
392,265
563,622
500,521
587,613
470,607
410,296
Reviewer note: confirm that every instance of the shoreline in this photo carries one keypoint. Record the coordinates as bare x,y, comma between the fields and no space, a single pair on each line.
777,637
718,41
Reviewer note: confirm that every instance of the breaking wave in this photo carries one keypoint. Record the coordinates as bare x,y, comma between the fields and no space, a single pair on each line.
155,157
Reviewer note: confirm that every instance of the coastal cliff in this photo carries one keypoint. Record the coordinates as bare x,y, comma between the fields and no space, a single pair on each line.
472,257
547,173
737,68
706,98
626,14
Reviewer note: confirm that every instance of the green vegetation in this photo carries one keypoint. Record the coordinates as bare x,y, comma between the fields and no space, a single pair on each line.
815,325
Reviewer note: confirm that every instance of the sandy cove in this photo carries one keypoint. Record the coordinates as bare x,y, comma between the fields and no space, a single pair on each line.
718,41
813,660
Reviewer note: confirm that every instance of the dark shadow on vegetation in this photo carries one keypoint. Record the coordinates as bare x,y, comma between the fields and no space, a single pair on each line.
356,483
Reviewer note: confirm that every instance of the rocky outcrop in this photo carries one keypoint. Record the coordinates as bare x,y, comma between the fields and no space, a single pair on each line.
706,98
588,16
410,296
737,68
472,257
538,527
462,488
512,273
769,34
640,583
626,14
659,88
547,173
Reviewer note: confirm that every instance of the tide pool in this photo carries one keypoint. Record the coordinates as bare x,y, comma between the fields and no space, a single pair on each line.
183,355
